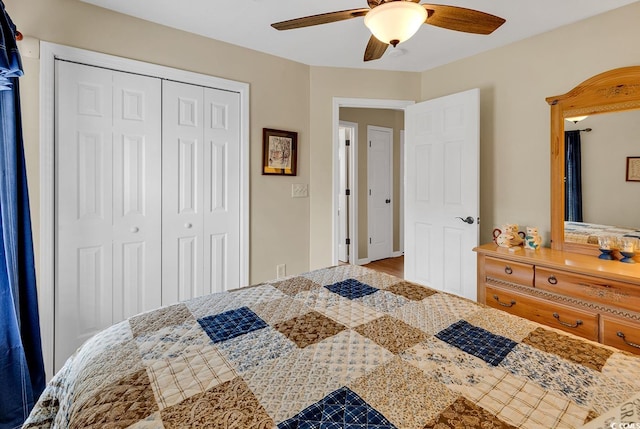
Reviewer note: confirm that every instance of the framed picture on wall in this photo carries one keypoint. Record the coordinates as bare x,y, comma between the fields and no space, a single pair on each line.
633,169
279,152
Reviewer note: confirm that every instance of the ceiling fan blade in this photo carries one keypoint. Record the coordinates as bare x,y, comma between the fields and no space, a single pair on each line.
375,49
323,18
462,19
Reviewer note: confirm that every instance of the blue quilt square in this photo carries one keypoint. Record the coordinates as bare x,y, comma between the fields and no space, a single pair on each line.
338,410
478,342
231,324
351,288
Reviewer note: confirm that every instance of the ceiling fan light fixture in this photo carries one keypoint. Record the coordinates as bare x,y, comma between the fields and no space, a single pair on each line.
396,21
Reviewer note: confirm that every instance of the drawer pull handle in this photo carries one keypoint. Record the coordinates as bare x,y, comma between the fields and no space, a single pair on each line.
629,343
508,270
568,325
504,304
553,280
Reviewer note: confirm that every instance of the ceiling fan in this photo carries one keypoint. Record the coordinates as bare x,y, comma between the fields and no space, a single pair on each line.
394,21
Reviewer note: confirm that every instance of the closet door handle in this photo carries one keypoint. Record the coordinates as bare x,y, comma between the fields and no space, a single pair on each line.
568,325
188,225
134,229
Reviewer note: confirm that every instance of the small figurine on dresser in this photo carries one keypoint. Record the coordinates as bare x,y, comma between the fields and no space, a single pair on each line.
532,240
508,236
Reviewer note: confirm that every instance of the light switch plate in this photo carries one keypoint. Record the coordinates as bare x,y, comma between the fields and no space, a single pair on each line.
299,190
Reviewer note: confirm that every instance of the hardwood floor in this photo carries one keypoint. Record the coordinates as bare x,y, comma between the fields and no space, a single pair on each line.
393,266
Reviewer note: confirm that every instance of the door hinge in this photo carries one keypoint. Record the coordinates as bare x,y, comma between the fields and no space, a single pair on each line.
369,143
348,241
347,191
369,192
347,142
369,240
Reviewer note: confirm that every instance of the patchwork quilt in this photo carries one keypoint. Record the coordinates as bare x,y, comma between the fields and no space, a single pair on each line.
341,347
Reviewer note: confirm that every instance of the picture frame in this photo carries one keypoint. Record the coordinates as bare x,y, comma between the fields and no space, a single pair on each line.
279,152
633,169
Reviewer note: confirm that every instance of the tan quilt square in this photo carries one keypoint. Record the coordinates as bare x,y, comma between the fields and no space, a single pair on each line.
153,321
308,329
403,394
411,291
392,334
351,313
465,414
228,405
118,405
279,310
572,349
198,369
295,285
523,403
378,279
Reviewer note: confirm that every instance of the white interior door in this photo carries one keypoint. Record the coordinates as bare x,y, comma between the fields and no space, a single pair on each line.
201,191
380,180
221,187
343,215
107,210
442,186
182,198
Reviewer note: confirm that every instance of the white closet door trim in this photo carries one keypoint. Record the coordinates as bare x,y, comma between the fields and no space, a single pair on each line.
49,52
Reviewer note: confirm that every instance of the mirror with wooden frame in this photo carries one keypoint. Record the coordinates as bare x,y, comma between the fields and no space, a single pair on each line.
612,91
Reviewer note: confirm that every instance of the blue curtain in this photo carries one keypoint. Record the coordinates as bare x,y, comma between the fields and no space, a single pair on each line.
573,177
22,377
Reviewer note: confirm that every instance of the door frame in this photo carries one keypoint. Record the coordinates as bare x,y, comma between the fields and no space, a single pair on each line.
338,102
352,206
49,52
371,128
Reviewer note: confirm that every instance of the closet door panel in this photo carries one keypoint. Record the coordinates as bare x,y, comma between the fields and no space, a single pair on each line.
84,297
222,190
182,197
137,189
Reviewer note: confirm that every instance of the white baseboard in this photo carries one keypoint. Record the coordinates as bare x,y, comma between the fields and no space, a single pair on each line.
396,254
364,261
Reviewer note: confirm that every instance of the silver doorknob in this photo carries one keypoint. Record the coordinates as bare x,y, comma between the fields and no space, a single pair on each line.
188,225
135,229
468,219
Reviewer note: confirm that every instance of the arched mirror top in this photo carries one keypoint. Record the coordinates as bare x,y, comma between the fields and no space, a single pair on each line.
612,91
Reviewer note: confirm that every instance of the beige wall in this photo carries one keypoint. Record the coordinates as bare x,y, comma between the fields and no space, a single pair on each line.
279,99
513,80
327,83
387,118
514,122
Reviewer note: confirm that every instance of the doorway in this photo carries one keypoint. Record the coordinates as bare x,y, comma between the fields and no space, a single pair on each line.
338,103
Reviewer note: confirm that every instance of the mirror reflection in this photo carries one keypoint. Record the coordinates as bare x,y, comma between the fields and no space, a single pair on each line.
599,201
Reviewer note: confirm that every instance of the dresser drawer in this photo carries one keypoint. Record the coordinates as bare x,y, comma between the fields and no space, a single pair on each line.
576,321
587,288
514,272
621,333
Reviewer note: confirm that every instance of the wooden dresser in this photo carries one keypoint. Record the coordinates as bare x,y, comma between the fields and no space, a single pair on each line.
581,294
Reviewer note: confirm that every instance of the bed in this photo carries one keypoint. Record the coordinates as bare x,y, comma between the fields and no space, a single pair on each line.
588,233
341,347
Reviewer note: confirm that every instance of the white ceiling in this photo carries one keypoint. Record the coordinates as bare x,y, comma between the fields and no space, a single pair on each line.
341,44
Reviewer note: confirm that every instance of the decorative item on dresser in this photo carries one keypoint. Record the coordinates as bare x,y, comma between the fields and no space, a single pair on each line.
577,293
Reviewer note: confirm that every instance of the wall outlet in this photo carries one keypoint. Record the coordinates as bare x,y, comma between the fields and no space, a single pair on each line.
281,271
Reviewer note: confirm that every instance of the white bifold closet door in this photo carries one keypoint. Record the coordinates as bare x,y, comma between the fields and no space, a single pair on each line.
108,187
201,193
